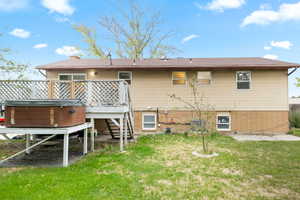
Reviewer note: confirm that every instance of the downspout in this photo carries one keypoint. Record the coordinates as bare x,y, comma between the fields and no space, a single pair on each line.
293,71
290,73
157,117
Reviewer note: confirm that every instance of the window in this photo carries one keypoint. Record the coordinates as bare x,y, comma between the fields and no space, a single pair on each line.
223,122
78,77
72,77
179,78
204,78
243,80
149,121
65,77
127,76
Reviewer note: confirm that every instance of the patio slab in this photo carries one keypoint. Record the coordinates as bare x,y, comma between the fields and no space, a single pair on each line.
265,137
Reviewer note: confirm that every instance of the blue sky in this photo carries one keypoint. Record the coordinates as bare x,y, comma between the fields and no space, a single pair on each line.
39,31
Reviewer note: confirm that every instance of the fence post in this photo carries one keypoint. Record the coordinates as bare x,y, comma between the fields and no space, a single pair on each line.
89,93
72,92
33,90
50,89
122,93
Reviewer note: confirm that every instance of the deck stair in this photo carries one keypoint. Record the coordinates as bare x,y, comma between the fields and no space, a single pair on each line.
114,130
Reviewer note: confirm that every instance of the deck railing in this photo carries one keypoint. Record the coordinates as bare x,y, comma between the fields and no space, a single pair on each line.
92,93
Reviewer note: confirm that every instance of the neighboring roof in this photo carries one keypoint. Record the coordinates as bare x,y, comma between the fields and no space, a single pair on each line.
294,101
170,64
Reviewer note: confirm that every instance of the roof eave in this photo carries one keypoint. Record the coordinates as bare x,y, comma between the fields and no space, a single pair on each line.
166,67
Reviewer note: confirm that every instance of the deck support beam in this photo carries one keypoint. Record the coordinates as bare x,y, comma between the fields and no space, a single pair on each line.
126,130
93,135
85,142
31,147
27,143
115,122
47,131
121,134
66,150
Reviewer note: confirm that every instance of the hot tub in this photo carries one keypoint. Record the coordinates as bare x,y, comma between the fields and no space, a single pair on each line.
44,113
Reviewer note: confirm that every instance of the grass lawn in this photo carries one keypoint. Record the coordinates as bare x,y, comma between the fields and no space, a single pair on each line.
296,132
163,167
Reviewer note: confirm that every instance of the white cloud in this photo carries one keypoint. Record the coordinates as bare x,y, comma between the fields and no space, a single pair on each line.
285,12
221,5
188,38
62,19
40,46
11,5
267,48
21,33
281,44
68,51
59,6
265,6
271,56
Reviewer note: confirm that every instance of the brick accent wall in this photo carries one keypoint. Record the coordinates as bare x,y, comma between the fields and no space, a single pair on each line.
244,122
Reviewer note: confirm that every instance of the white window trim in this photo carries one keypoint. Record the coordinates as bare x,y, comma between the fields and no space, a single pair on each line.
155,121
223,115
237,81
125,79
179,79
72,74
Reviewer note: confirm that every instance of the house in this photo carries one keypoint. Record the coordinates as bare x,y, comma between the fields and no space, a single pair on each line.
249,95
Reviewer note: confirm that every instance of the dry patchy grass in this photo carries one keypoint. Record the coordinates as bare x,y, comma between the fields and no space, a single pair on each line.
163,167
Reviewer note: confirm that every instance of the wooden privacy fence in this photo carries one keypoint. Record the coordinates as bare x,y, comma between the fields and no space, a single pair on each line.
92,93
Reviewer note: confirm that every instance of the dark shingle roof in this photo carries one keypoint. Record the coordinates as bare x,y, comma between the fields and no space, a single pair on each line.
170,64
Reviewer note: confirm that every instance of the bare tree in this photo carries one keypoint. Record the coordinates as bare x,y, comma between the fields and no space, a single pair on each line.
136,35
10,68
89,36
201,111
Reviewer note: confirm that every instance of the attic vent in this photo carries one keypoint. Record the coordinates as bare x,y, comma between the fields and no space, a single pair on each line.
164,58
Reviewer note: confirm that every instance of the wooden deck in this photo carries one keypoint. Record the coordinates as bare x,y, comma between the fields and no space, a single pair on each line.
108,100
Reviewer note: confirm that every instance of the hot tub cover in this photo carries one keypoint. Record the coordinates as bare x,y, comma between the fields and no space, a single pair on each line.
47,102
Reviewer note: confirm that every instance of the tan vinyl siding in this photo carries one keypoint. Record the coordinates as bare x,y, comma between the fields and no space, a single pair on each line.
150,90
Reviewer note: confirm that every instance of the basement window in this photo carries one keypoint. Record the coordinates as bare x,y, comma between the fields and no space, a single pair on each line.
204,78
178,78
243,80
149,121
126,76
223,122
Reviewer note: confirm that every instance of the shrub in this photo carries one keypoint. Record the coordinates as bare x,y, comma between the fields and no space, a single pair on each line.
294,119
290,132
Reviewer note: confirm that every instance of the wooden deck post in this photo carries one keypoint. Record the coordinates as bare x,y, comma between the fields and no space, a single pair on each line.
126,130
72,92
27,143
66,151
50,89
89,92
121,134
122,93
93,135
85,142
